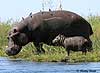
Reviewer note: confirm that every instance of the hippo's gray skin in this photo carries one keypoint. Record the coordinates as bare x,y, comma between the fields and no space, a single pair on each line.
76,43
44,27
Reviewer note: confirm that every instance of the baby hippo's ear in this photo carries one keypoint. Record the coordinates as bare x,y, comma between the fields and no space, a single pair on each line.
59,35
86,40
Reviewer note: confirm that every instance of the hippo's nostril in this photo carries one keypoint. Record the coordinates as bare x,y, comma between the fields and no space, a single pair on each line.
8,52
13,50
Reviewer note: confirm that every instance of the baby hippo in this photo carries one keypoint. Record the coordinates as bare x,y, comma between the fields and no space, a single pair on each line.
76,43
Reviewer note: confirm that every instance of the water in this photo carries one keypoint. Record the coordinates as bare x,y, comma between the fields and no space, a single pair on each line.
21,66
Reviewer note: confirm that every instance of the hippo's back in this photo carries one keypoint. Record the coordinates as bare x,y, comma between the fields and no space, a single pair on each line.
74,24
77,40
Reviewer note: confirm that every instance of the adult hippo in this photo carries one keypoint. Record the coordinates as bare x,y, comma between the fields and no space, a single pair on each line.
44,27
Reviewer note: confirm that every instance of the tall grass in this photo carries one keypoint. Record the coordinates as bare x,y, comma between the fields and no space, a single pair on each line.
54,53
95,23
4,28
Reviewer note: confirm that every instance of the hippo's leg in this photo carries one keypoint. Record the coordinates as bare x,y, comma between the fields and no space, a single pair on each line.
84,51
68,52
39,48
89,45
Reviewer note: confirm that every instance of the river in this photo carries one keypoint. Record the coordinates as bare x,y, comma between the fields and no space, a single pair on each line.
21,66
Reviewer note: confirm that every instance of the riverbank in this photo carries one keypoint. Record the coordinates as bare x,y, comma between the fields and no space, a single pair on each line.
59,55
55,54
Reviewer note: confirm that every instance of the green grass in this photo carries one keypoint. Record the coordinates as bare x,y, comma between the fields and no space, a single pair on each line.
55,54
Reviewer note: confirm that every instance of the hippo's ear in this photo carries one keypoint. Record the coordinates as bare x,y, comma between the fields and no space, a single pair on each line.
15,32
30,14
22,18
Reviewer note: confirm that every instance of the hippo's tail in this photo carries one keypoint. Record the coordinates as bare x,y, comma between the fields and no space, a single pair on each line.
91,30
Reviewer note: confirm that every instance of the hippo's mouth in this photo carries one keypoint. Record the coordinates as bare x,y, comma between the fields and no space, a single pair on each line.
13,50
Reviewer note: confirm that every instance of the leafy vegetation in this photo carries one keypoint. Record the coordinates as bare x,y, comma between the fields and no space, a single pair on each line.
55,54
